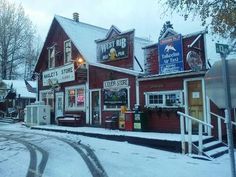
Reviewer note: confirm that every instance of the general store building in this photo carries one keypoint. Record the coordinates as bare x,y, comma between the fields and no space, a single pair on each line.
80,62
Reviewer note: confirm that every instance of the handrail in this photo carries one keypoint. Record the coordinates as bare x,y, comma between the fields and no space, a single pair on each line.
197,120
189,129
222,118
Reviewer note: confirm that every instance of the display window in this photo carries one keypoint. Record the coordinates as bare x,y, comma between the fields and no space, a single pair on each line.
75,98
164,99
115,98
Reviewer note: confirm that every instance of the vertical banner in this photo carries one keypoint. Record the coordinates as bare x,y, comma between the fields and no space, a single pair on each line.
170,55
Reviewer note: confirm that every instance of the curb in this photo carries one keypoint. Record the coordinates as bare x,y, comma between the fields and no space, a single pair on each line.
171,146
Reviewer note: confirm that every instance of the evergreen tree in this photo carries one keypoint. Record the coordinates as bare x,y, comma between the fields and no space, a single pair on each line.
166,26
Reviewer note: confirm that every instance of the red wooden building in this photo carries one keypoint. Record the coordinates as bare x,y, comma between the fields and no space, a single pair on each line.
174,81
78,62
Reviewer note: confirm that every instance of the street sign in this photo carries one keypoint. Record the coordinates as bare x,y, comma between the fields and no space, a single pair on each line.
222,48
215,89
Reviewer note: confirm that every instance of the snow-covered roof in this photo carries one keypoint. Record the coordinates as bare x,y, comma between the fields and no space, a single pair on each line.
84,35
20,87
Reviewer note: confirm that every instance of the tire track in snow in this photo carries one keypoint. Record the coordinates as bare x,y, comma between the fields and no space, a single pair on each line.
33,170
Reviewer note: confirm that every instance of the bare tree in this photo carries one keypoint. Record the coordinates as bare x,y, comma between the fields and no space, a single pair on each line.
219,15
31,56
16,30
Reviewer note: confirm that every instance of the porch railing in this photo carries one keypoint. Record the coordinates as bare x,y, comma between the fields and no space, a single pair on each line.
184,117
219,119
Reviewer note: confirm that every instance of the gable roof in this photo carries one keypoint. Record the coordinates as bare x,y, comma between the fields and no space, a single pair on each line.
83,36
184,37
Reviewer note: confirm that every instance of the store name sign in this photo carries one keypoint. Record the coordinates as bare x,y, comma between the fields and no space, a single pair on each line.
60,75
115,83
170,55
113,49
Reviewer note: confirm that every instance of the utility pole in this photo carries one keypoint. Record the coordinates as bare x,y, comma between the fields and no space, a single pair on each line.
228,109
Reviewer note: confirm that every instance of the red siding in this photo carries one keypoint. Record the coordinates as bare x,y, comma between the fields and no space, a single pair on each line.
98,75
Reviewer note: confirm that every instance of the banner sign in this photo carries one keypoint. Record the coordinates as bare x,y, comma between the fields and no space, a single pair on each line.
59,75
115,83
113,49
170,55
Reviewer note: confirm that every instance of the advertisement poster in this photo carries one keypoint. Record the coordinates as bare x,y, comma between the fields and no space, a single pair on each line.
113,49
170,55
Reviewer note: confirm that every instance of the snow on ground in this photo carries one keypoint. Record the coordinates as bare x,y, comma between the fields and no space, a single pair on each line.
127,160
12,155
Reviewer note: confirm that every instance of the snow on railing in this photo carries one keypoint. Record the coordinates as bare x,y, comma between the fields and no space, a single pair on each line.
219,118
189,129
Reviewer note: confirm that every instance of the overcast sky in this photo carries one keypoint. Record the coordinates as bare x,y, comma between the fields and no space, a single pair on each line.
145,16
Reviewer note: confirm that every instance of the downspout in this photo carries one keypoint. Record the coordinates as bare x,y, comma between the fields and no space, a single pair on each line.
137,90
207,100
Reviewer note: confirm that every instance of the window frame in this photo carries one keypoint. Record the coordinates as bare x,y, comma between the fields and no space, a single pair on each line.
51,60
164,93
117,108
75,108
41,92
70,52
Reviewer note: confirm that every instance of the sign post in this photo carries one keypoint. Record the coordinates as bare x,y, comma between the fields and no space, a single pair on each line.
224,51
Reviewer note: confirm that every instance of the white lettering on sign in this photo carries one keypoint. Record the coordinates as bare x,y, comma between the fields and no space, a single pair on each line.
116,83
61,74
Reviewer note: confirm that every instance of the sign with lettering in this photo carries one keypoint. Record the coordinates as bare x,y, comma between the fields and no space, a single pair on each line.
170,55
113,49
60,75
111,84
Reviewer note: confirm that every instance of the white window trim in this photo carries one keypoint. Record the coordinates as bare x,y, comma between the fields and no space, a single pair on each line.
118,108
41,92
163,105
70,58
52,48
66,98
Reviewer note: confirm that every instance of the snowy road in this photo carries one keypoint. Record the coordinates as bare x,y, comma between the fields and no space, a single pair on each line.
46,155
118,159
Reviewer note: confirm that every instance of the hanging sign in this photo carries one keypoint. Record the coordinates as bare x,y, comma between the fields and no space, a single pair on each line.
170,55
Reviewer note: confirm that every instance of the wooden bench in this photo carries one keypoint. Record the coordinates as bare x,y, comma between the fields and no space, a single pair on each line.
69,120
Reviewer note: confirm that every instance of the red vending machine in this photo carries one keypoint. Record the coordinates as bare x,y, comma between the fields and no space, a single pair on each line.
129,121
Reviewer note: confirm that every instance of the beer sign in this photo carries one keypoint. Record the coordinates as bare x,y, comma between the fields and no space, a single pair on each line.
113,49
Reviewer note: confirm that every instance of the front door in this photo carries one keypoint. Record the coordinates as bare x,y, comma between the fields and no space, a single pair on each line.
95,107
195,101
59,104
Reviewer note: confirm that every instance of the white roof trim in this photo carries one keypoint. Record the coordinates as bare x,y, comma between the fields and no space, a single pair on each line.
191,45
118,69
169,30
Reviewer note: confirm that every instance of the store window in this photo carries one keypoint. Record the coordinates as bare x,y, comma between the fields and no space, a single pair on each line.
75,98
164,99
51,57
115,98
48,97
67,51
